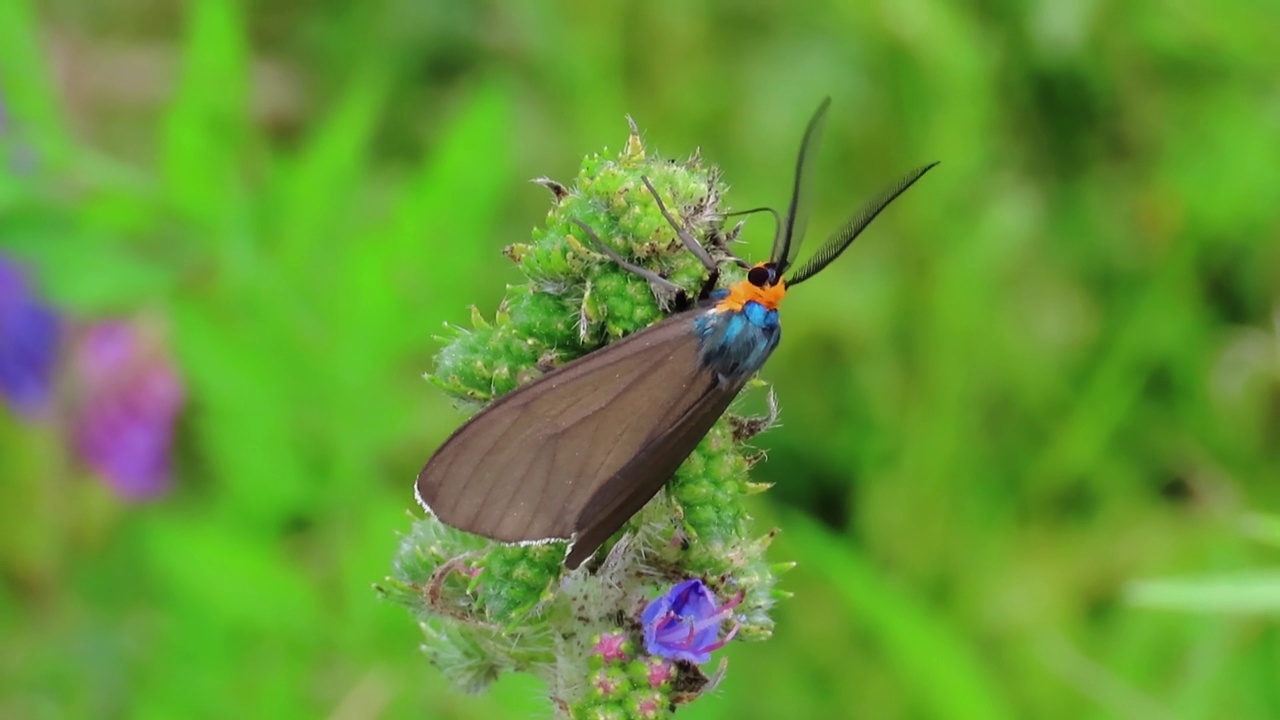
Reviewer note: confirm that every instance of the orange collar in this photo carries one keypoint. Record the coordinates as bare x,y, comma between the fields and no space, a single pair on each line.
744,292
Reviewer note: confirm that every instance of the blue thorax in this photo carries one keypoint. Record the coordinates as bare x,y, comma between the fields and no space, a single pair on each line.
735,343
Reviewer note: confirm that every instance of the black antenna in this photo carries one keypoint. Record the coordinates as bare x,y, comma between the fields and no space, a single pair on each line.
787,242
845,236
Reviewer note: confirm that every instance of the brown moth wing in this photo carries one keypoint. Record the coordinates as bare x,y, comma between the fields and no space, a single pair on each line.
626,491
579,450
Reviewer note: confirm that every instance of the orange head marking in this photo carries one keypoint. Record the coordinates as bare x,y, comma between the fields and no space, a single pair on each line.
763,285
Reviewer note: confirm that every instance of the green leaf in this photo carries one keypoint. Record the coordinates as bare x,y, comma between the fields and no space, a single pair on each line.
27,93
320,187
244,380
231,574
944,672
206,126
1246,593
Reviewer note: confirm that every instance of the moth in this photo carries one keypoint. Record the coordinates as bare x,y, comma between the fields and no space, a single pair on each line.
574,454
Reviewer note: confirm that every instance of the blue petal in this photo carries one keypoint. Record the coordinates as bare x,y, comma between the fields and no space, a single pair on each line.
29,339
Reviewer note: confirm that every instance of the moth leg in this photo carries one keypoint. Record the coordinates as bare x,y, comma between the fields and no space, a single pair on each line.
690,242
736,260
777,222
653,277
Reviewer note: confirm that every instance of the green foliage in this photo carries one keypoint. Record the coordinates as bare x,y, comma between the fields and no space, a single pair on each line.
1028,424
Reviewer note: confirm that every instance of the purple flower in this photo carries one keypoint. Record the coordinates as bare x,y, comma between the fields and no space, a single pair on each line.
29,337
129,400
684,624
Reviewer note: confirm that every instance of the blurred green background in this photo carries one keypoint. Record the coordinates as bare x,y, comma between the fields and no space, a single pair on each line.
1029,462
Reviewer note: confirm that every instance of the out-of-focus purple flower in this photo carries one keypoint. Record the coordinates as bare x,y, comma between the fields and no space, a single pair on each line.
684,623
129,399
29,337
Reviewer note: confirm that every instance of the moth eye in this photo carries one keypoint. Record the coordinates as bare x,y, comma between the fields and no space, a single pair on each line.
759,275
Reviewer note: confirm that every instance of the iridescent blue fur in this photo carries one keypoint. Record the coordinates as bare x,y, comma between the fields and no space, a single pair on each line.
736,343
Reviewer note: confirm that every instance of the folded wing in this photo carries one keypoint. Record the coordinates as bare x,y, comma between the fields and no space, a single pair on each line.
575,453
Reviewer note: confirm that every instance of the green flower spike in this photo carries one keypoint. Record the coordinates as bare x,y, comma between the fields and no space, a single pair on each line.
487,608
